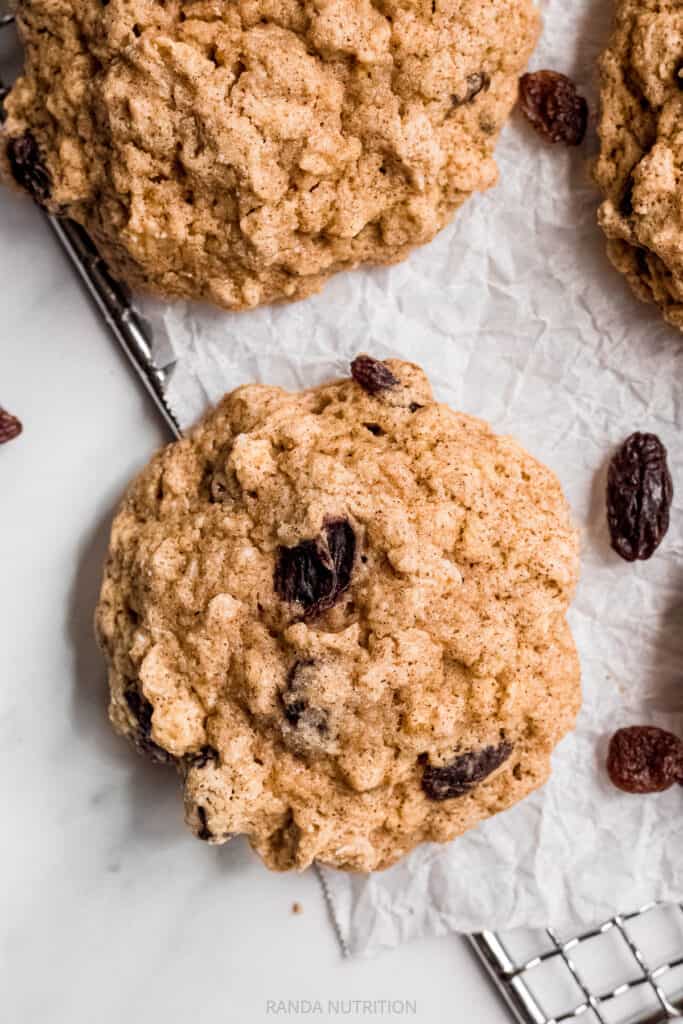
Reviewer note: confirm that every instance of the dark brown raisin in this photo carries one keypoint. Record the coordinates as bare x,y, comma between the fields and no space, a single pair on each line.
294,708
142,710
204,832
373,376
645,759
27,166
297,709
463,774
316,572
550,102
207,755
10,426
341,541
299,714
374,429
140,707
639,496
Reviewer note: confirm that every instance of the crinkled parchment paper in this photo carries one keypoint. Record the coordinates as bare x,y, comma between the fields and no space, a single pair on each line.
517,317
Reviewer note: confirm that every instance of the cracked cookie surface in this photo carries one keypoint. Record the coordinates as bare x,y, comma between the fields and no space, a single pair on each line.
641,157
341,614
243,152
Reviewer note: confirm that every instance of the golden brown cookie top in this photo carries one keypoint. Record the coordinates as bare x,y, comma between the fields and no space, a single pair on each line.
641,158
342,613
243,152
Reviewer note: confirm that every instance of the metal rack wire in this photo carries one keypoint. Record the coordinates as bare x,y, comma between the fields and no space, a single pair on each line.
573,992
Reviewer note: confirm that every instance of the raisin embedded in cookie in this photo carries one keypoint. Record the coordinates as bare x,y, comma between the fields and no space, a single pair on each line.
341,613
641,157
245,151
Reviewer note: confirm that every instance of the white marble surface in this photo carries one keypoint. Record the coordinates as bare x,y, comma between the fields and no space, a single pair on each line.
109,910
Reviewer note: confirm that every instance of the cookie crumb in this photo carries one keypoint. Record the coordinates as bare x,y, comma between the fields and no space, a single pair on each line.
297,908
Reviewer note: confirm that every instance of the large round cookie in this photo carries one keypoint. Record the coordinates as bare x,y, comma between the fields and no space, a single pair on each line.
341,613
641,158
245,151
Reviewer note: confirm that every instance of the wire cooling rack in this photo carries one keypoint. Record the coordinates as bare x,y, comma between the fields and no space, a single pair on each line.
628,970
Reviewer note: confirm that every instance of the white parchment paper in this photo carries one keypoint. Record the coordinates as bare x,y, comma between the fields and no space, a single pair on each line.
517,317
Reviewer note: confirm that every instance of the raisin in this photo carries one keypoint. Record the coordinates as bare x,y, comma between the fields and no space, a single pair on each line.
142,710
297,709
207,755
552,105
463,774
299,714
373,376
639,496
294,709
316,572
204,832
27,166
140,707
10,426
341,541
645,759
